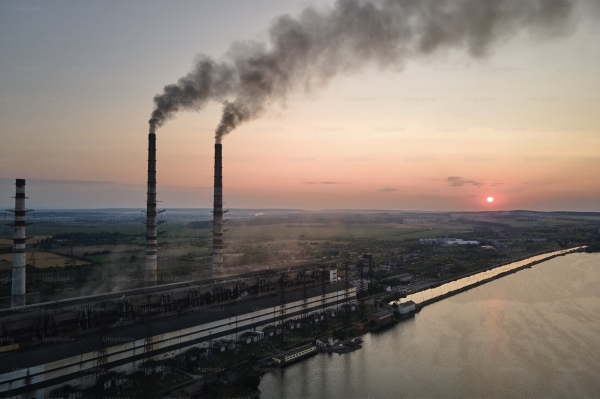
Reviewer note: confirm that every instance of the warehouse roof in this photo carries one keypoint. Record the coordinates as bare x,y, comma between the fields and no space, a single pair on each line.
50,352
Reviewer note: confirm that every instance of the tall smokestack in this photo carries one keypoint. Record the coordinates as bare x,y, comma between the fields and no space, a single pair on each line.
18,271
217,253
151,224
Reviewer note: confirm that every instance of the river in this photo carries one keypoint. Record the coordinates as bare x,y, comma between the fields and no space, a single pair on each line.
532,334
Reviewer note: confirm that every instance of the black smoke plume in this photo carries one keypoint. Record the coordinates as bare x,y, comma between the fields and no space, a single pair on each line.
306,52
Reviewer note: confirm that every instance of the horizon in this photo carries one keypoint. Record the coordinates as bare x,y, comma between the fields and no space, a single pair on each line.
442,131
340,210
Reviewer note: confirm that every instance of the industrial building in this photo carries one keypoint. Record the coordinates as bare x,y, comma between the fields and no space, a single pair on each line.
77,343
407,307
81,361
382,318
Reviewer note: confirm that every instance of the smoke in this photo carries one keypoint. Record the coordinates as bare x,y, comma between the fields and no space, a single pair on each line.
306,52
153,123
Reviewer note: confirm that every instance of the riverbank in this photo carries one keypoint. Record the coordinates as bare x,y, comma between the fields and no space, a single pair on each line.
525,335
262,366
472,285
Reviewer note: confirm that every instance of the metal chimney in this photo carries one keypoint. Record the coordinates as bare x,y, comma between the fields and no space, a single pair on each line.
18,270
151,225
217,253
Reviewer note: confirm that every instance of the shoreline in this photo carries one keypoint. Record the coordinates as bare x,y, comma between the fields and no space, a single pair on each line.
421,305
427,302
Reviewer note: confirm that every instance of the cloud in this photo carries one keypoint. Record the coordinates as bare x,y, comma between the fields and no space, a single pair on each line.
457,181
323,182
388,189
499,183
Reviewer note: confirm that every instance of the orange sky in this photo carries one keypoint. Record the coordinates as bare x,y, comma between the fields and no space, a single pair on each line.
443,134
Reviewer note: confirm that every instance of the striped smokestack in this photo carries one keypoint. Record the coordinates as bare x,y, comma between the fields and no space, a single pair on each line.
151,224
217,254
18,271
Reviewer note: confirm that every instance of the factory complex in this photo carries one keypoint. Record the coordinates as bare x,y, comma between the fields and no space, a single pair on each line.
87,360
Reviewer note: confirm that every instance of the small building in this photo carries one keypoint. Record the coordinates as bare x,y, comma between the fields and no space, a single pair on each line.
326,341
382,318
407,307
333,276
459,241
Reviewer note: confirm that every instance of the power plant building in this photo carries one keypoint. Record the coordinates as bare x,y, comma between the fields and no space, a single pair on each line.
76,361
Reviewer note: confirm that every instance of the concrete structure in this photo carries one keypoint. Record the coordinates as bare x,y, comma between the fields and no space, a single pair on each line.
19,250
333,276
382,318
151,268
407,307
60,361
217,252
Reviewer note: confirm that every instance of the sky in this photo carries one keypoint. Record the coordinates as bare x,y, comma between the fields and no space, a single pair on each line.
443,132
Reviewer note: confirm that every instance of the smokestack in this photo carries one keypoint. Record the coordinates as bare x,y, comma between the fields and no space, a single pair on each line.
18,271
217,253
151,224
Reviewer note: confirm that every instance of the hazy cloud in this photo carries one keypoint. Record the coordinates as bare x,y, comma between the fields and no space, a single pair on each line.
388,189
457,181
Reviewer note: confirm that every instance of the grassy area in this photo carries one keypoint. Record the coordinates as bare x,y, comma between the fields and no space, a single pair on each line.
43,260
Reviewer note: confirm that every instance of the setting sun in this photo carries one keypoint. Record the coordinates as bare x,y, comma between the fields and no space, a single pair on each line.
490,199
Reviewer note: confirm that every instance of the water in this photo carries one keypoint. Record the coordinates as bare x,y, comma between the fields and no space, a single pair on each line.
532,334
425,295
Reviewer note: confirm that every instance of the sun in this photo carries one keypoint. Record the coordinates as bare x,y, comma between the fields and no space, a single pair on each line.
490,199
